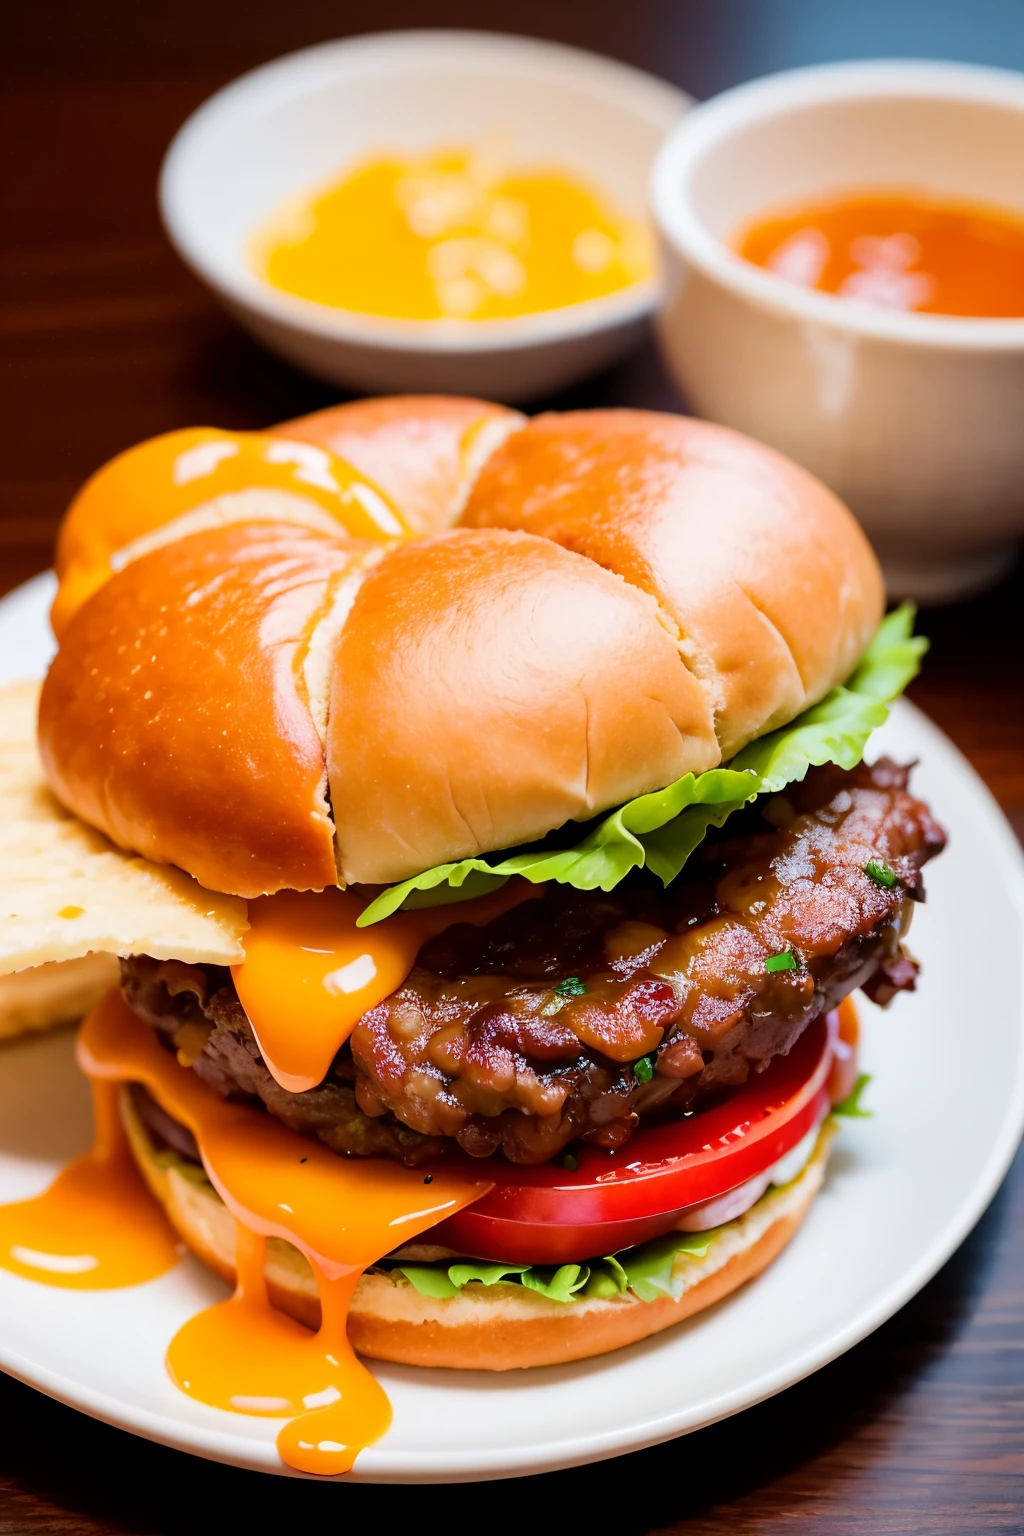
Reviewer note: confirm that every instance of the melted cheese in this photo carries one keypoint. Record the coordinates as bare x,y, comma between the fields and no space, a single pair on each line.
458,234
343,1215
97,1227
310,974
184,481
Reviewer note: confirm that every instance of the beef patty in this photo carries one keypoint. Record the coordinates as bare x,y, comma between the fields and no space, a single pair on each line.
577,1013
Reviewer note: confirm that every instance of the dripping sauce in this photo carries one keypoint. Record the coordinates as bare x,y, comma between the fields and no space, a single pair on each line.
241,1354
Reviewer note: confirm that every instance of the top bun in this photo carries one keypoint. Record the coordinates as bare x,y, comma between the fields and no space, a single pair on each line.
627,597
769,585
423,451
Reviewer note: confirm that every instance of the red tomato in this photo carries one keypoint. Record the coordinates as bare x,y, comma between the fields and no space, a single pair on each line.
612,1200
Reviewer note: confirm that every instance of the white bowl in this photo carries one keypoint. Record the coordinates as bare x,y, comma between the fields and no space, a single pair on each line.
916,420
294,123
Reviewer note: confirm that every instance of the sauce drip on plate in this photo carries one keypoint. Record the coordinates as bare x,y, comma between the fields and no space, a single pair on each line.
897,250
245,1356
342,1215
97,1227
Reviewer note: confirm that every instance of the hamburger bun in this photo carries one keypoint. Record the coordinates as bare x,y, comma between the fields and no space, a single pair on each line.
770,585
635,597
423,451
498,1327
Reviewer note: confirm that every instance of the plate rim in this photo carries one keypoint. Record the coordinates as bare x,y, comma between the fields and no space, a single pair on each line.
380,1466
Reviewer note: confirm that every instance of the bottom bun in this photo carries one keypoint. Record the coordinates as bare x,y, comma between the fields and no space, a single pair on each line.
492,1328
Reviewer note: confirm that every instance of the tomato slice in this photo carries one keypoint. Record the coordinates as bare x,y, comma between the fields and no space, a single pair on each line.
612,1200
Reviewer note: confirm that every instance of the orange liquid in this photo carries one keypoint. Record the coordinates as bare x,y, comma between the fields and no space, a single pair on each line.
244,1356
165,480
454,235
97,1227
897,250
343,1216
310,974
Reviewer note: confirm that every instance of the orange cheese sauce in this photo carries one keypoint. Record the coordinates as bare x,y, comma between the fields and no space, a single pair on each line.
202,473
897,250
97,1227
310,974
457,234
342,1215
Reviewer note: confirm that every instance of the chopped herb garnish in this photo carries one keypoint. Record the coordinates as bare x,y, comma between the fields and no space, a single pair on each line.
568,1161
786,961
880,873
571,987
428,1178
644,1068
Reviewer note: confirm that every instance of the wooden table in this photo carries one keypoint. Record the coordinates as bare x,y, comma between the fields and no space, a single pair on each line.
108,340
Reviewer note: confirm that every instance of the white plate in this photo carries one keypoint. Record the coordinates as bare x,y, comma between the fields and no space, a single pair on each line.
903,1190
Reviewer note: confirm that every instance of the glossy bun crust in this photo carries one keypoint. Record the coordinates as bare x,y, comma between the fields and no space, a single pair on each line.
624,597
491,1328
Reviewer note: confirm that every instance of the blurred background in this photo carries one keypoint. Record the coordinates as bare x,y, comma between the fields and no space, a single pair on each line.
108,339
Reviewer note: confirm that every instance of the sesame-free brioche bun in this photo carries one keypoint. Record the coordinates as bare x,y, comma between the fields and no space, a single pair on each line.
513,686
424,451
771,585
184,713
627,597
493,1328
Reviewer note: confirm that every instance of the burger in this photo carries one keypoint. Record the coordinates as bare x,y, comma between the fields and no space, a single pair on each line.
521,763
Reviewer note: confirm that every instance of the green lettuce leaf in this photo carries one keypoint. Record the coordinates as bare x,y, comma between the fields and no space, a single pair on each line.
649,1269
607,1278
559,1284
851,1105
429,1280
662,829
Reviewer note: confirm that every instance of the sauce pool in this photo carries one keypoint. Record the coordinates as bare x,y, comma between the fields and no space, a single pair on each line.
897,250
458,234
98,1227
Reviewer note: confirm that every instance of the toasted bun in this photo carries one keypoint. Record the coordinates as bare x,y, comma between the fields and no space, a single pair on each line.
492,1328
184,715
424,451
635,597
197,478
507,679
772,585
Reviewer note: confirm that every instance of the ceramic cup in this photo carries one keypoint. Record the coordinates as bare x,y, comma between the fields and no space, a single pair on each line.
295,123
916,420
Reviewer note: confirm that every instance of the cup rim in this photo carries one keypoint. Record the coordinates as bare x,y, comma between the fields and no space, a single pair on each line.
714,121
238,286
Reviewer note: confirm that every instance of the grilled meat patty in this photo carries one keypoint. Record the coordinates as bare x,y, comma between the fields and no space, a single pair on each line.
524,1035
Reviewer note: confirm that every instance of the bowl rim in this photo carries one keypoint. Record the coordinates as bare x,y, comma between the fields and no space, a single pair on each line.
626,88
712,122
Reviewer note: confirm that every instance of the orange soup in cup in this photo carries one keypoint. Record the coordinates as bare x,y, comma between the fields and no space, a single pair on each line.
897,250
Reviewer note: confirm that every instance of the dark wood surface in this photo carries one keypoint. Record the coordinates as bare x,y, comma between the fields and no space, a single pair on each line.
107,340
